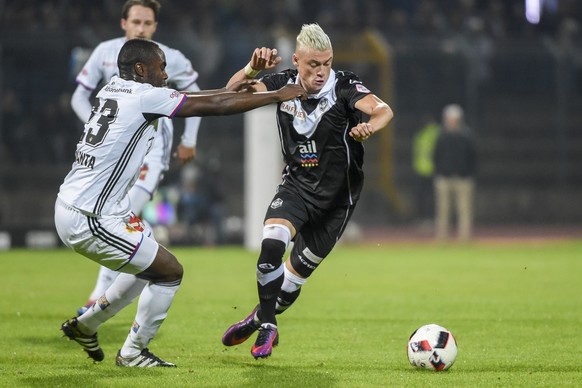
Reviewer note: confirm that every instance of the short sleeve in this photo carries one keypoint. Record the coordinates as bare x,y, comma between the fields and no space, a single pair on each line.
162,102
351,89
276,81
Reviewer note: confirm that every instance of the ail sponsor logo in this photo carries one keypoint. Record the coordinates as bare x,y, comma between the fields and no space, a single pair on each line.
308,154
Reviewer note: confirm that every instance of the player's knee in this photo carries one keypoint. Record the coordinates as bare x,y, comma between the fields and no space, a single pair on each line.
276,238
271,255
175,270
277,232
165,268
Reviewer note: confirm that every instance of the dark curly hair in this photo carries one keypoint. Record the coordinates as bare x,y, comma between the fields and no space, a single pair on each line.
134,51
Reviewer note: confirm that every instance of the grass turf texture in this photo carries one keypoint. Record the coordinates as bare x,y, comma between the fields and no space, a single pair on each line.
515,311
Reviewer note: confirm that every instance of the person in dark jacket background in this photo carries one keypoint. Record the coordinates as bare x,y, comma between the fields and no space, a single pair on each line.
455,163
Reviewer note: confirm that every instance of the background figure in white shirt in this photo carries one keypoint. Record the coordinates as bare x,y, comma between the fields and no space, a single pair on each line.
139,20
92,210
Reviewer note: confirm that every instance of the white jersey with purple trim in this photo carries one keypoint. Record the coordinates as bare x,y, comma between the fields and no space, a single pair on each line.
117,137
102,65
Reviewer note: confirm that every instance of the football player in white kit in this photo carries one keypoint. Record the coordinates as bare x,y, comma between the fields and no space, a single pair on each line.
92,210
139,20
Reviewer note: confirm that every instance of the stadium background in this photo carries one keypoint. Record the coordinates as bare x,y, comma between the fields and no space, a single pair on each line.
519,82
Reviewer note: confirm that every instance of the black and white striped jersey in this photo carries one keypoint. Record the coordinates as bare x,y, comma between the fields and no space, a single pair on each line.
323,163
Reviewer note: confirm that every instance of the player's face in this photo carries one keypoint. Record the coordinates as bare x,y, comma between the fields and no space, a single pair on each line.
313,67
156,71
140,23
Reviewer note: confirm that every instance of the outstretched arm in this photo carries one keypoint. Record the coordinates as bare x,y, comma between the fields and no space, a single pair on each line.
380,115
245,85
262,59
227,103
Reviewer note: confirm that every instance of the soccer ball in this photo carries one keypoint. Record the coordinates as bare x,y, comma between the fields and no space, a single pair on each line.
432,347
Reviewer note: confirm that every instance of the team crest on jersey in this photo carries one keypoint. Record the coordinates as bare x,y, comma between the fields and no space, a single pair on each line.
277,203
308,154
323,104
134,224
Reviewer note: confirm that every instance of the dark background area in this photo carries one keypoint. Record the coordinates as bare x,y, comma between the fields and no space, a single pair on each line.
520,85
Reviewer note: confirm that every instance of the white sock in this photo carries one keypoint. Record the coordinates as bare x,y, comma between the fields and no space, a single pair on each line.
152,309
122,292
104,280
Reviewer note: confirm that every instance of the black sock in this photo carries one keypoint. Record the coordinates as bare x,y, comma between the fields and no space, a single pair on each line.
270,263
286,299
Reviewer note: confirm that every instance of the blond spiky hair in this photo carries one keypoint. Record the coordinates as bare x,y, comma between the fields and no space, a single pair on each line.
313,37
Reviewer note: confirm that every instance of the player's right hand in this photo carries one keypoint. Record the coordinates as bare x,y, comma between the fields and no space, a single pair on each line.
265,58
245,85
290,92
185,153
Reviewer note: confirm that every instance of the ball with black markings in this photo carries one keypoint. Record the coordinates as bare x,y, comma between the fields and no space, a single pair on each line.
432,347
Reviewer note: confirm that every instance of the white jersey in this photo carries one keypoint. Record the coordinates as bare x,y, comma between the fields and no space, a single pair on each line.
116,139
102,66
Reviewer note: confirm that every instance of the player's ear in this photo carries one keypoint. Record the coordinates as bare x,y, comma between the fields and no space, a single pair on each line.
295,60
139,69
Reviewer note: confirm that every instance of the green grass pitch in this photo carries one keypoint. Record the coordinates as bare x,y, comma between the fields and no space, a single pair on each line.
515,309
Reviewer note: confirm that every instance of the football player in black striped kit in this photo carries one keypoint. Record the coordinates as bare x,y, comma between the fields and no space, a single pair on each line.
321,139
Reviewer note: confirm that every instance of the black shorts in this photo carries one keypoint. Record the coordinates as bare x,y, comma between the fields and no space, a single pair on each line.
318,230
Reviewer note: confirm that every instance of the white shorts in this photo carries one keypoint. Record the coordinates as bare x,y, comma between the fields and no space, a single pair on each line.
122,244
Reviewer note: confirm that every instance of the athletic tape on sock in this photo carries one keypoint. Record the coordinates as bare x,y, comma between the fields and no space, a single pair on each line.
294,278
277,232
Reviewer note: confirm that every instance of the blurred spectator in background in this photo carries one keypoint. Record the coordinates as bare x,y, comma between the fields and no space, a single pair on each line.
455,162
422,162
59,129
11,112
201,204
476,46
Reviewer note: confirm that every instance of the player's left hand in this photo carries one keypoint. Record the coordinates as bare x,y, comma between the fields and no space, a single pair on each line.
184,153
362,131
265,58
